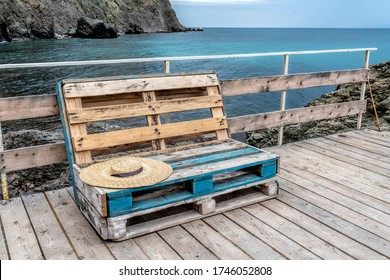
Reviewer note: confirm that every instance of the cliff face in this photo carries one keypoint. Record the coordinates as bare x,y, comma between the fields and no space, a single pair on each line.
44,18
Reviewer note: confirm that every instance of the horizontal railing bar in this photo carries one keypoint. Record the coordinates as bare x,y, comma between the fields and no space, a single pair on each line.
294,116
293,81
174,58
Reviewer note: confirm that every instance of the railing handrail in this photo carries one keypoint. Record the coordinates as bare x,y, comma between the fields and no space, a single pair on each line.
174,58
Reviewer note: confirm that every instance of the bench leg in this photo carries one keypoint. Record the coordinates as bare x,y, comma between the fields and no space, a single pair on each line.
205,206
270,189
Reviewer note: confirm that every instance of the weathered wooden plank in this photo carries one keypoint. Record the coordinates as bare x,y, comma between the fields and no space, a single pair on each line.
378,136
18,108
311,242
344,226
250,244
142,109
373,157
364,145
300,176
53,241
24,158
293,116
186,245
268,235
326,233
156,248
21,240
86,242
347,159
3,244
351,181
153,120
126,250
336,165
78,130
353,155
385,142
358,219
134,135
215,242
217,112
293,81
109,87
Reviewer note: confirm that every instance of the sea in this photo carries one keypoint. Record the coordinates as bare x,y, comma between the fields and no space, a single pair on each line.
213,41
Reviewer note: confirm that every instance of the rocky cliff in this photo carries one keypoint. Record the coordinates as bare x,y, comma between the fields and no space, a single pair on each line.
43,19
380,84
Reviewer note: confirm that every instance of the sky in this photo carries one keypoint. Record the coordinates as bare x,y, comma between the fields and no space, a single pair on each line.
284,13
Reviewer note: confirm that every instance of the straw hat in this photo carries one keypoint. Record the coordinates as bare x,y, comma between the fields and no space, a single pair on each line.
126,172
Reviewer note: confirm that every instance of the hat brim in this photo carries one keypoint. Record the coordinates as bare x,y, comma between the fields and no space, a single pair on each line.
99,175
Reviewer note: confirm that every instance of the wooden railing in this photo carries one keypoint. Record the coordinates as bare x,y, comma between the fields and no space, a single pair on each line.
19,108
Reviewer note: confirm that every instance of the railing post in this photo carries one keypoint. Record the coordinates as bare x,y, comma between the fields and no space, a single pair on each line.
4,183
167,70
283,99
363,89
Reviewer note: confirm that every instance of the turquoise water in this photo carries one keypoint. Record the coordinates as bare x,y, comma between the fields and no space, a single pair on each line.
211,41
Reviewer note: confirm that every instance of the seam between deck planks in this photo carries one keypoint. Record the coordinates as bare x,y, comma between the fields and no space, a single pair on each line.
357,195
358,207
305,238
345,243
340,224
4,250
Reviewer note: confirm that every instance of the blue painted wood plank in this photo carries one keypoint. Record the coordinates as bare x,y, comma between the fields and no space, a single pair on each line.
200,185
121,193
213,158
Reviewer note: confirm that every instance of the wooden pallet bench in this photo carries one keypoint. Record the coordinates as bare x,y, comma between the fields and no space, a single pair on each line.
212,172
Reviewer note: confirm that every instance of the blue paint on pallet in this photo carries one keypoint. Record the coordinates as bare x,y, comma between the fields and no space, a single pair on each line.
123,193
203,185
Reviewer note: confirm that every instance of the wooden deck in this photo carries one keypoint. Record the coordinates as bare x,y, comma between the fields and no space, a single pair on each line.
334,203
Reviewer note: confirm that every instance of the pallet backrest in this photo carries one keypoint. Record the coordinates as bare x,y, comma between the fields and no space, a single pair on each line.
104,99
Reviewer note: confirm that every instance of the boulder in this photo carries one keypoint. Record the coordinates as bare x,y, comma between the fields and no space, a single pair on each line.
94,28
134,29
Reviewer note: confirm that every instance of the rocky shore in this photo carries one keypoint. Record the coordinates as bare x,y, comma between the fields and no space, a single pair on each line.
380,84
49,130
44,19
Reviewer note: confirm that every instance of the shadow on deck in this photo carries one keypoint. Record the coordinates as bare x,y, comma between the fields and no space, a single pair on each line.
334,203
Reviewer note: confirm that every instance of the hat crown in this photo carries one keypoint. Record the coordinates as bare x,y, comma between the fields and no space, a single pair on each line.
125,167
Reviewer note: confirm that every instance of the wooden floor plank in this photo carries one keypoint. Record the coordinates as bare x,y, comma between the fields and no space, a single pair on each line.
54,243
341,211
126,250
320,170
377,157
346,159
357,233
304,158
370,138
296,173
306,239
247,242
85,240
364,145
338,198
156,248
215,242
326,233
339,166
340,149
3,245
19,234
186,245
282,244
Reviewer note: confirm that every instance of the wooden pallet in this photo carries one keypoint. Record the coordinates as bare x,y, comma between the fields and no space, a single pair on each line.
202,171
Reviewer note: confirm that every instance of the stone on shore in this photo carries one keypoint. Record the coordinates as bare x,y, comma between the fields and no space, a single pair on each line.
94,29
